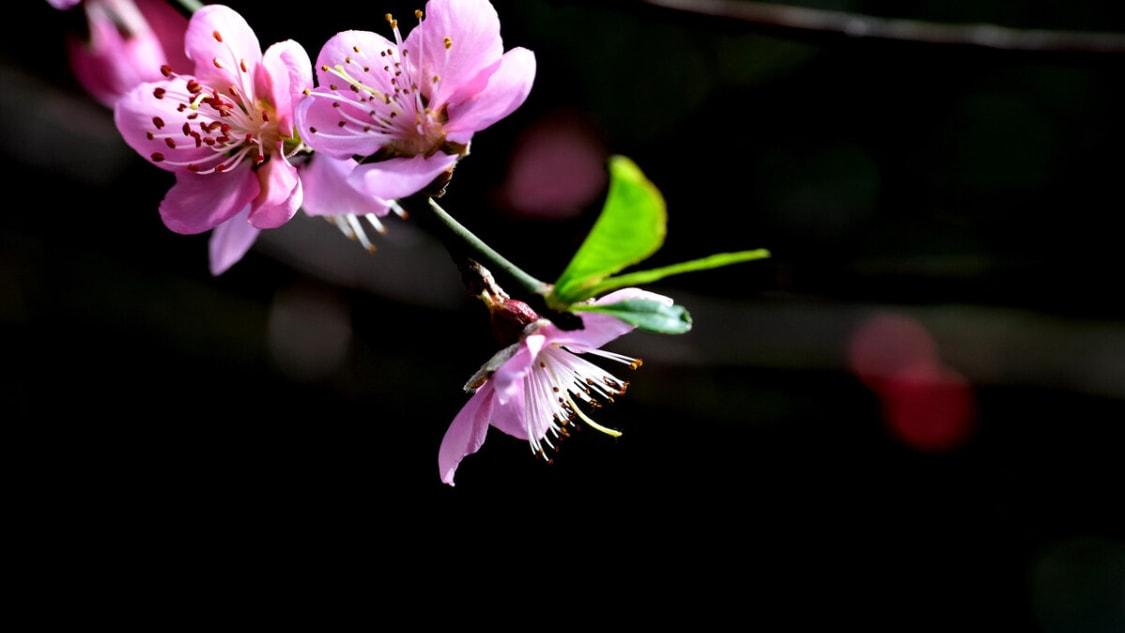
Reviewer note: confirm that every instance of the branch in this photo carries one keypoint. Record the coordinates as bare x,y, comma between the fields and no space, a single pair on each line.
485,253
190,6
789,19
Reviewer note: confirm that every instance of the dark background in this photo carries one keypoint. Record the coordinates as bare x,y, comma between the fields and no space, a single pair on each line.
914,196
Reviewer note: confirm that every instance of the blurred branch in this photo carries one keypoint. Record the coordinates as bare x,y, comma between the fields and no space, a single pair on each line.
191,6
838,23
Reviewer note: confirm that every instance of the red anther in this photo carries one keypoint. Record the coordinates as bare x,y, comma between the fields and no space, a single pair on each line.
186,129
158,93
166,70
170,143
158,122
157,157
218,36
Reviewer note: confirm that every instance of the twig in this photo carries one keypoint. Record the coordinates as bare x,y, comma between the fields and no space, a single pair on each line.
837,23
485,253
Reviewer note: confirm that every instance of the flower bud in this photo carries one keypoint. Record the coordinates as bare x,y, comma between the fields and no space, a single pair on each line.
509,319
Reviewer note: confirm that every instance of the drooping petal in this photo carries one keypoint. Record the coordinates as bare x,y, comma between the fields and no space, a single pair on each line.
328,192
224,49
466,433
230,241
282,77
154,121
319,124
473,31
509,416
280,194
599,329
199,203
508,379
506,90
400,177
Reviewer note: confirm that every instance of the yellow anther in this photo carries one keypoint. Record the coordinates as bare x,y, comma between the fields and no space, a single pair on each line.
448,42
418,13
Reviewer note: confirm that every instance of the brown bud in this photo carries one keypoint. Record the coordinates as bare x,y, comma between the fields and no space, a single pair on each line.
509,319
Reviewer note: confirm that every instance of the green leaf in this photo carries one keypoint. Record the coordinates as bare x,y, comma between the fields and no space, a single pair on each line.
630,228
648,276
653,316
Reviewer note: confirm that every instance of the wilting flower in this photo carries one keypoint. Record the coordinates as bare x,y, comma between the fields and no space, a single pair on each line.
227,133
411,106
128,43
535,388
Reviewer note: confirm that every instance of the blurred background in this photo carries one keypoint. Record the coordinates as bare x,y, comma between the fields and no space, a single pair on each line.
913,414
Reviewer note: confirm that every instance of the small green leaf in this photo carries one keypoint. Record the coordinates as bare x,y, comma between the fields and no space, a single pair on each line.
648,276
653,316
630,228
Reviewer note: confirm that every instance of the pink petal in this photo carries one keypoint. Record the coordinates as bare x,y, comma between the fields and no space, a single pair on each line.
359,54
318,123
599,329
230,241
366,65
282,78
506,90
474,31
509,417
466,433
148,119
169,26
221,44
327,191
63,4
400,177
199,203
508,378
280,194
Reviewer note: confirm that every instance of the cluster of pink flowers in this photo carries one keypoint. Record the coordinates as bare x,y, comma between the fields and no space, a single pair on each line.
251,139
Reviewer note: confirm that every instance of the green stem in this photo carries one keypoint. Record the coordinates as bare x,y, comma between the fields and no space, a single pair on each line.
191,6
487,255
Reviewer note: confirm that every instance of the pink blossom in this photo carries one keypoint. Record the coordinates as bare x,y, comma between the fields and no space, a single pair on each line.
226,131
415,102
533,389
128,43
63,4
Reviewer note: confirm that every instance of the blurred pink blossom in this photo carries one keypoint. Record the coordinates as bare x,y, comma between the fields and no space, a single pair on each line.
127,45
